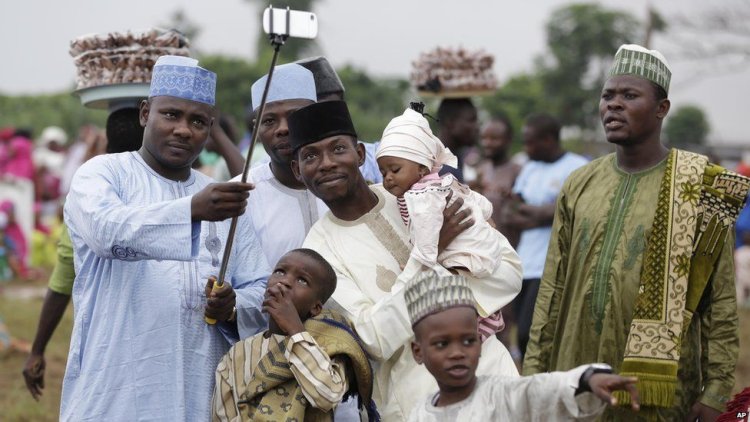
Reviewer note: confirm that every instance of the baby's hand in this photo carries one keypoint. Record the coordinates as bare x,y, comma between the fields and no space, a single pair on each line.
604,384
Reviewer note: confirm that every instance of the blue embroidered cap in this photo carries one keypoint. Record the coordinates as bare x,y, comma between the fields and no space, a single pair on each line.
181,77
289,82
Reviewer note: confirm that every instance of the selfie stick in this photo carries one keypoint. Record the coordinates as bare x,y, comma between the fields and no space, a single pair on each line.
277,40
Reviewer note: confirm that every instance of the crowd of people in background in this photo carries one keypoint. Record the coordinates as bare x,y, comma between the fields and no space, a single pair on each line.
307,192
35,177
495,157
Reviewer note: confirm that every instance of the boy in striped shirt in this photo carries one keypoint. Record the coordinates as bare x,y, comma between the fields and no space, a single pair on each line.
307,361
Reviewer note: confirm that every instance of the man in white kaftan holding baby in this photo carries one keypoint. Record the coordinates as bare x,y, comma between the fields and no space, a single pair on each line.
366,242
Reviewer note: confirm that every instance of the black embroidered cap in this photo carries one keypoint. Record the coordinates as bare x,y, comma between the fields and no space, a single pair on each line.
318,121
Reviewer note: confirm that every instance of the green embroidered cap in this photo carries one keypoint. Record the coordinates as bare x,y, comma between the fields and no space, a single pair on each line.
431,293
632,59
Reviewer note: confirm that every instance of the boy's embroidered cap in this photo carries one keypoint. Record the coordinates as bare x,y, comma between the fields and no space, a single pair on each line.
632,59
430,293
181,77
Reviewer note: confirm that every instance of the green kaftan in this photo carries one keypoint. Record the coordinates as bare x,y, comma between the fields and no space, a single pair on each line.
591,278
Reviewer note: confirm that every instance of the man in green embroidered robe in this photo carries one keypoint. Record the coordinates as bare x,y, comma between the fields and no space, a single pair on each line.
639,272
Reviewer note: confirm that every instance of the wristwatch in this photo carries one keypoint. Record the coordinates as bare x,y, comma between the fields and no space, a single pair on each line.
594,368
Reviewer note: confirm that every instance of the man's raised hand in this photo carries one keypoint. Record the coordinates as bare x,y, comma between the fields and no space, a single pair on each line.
219,201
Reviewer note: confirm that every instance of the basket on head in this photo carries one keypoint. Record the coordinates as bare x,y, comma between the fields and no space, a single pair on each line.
453,73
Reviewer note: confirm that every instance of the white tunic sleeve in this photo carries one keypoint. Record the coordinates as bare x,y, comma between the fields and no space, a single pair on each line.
113,230
546,397
250,272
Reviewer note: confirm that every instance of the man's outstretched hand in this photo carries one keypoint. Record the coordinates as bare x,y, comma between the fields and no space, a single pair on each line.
602,385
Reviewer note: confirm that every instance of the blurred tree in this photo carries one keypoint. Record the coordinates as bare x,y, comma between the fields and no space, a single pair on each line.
234,77
520,96
687,126
716,39
372,102
179,20
39,111
582,39
654,23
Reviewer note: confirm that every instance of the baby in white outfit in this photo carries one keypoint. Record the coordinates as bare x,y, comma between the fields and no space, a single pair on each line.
409,158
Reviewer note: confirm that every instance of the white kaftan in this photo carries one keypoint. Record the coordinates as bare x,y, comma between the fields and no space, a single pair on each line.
140,349
367,255
280,216
546,397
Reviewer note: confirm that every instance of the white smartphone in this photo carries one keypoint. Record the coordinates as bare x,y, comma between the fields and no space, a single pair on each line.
292,23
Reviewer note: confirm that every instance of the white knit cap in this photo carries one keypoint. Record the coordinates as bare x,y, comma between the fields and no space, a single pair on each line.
409,137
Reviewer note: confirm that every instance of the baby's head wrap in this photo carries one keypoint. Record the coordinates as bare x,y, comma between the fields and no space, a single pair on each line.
408,136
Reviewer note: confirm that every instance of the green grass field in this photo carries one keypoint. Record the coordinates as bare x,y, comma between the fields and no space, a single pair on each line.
21,317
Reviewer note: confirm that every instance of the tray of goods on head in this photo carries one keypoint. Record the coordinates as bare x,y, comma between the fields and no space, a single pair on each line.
117,66
453,73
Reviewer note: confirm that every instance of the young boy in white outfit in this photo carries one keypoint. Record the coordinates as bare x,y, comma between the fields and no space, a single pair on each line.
443,316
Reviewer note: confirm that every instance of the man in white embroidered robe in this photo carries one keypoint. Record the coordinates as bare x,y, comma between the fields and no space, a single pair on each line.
365,240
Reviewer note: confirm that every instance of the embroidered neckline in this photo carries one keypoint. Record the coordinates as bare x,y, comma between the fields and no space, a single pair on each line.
377,190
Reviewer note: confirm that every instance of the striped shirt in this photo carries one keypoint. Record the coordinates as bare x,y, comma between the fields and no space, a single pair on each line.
322,379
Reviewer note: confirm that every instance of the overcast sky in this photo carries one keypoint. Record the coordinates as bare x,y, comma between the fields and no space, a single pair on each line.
381,36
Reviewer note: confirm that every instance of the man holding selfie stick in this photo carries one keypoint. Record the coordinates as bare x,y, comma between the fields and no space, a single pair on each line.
147,232
279,25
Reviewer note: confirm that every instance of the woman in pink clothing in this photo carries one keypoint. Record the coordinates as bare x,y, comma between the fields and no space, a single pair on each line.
15,155
13,231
